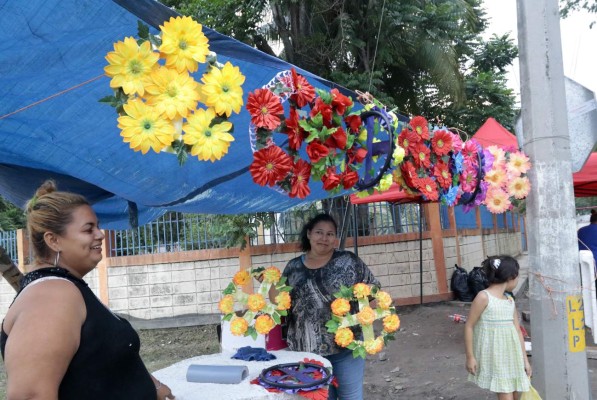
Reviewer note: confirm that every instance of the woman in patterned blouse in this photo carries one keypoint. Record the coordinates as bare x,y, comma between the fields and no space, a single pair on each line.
315,276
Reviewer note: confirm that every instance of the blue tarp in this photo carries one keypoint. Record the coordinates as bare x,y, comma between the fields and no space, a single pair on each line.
52,125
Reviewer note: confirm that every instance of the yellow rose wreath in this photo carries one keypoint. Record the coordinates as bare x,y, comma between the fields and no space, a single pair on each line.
342,320
253,313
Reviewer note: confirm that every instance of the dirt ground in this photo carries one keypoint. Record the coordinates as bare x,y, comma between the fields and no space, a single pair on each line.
425,362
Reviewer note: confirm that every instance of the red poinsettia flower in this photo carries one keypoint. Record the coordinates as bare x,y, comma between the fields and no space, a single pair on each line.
340,102
270,165
305,93
299,183
407,139
441,171
317,150
421,154
337,140
295,133
349,178
356,155
325,109
409,173
420,126
428,188
265,109
441,144
330,179
354,123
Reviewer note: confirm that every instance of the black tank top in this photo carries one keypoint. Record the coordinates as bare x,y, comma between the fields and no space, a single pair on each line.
107,364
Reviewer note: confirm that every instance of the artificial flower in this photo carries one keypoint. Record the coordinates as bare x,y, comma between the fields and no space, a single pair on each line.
271,275
317,150
373,346
407,139
129,64
353,122
468,181
451,196
487,161
385,183
428,188
441,172
263,324
398,155
441,144
265,109
295,133
470,150
391,323
408,173
304,93
356,155
344,337
299,182
519,187
171,93
241,278
384,300
497,201
340,102
283,301
330,179
222,89
421,155
238,326
361,290
226,304
496,177
255,302
349,178
499,155
208,141
143,128
321,107
337,139
270,165
183,44
340,307
518,163
366,316
457,144
420,126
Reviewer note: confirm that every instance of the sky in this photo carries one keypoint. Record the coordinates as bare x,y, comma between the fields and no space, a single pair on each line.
579,42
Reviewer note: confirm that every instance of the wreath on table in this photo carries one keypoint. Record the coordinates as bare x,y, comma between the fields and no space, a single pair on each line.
251,314
342,320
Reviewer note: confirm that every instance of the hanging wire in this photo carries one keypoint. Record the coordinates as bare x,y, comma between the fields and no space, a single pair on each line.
383,7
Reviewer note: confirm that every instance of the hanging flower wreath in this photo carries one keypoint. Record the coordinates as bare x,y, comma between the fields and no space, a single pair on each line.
253,313
342,320
328,132
157,98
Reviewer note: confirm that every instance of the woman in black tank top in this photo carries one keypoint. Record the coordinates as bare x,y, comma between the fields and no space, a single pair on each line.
58,340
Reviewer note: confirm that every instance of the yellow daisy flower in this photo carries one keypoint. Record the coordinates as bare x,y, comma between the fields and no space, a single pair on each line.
183,44
143,128
340,307
226,305
283,301
241,278
171,93
519,187
129,64
239,326
222,89
366,316
384,300
391,323
264,324
255,302
208,142
344,337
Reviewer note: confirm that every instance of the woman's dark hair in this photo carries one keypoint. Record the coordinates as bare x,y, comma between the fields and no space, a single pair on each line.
593,216
49,211
305,244
500,269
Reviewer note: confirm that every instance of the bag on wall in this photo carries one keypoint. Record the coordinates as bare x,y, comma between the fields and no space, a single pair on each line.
459,284
477,281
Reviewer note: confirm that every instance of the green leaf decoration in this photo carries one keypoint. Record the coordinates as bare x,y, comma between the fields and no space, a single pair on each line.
332,326
108,100
227,317
359,352
252,332
344,293
283,313
143,30
181,151
156,41
230,289
276,318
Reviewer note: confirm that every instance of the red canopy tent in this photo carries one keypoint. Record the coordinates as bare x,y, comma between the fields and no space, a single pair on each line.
493,133
585,180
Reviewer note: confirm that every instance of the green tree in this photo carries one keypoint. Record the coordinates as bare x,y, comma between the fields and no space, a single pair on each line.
570,6
11,217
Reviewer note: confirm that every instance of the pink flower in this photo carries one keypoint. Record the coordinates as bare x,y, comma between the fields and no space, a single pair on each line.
519,187
497,201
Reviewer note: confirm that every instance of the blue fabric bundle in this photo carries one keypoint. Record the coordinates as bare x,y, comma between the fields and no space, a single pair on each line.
249,353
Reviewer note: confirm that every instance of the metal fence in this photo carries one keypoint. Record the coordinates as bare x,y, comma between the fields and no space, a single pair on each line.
8,241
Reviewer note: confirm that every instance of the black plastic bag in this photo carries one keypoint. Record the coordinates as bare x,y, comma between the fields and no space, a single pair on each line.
459,284
477,281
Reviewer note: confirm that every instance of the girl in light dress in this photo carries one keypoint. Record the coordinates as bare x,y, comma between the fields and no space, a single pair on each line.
496,358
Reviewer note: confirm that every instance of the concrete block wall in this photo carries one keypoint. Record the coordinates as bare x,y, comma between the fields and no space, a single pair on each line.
471,251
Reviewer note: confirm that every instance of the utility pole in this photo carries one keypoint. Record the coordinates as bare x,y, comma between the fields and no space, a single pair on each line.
558,355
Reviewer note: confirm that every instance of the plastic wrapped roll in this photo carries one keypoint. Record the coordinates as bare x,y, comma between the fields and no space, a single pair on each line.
228,374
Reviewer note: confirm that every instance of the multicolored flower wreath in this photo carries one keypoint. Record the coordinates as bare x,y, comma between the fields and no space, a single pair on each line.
253,313
328,133
157,98
342,320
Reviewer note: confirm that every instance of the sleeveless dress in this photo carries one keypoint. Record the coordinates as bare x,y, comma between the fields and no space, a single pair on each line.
496,346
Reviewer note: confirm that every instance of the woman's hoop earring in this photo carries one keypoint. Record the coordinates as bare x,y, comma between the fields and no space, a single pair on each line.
57,258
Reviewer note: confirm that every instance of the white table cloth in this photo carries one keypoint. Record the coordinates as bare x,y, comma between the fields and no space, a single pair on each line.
175,377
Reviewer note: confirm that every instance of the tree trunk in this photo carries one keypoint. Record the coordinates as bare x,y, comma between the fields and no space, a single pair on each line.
9,270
